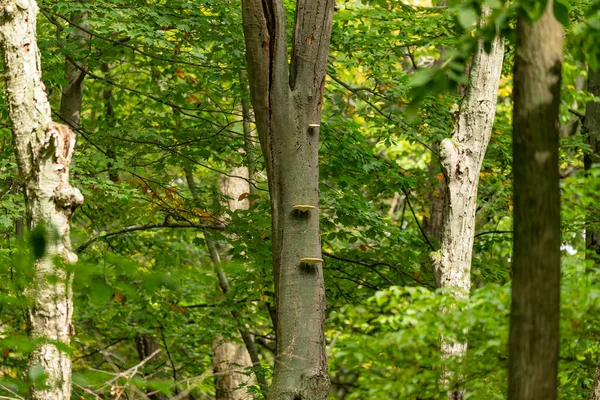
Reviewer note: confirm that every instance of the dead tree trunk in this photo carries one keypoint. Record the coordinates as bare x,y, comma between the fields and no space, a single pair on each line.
287,100
43,150
461,157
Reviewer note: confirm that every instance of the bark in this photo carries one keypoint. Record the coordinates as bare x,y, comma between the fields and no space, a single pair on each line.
534,322
461,158
436,198
285,104
591,127
107,94
249,138
72,94
233,187
43,150
231,358
147,345
230,362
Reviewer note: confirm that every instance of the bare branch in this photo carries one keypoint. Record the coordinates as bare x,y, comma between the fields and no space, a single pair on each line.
146,227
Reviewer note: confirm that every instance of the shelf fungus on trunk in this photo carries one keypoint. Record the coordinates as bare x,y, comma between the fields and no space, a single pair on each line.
303,207
311,260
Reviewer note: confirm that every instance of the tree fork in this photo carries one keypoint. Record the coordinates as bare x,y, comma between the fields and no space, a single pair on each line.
286,102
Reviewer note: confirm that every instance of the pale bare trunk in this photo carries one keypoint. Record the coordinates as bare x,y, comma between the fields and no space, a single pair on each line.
461,157
72,94
43,150
230,364
231,359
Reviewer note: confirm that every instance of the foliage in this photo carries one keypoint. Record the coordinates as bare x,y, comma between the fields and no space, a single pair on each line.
164,87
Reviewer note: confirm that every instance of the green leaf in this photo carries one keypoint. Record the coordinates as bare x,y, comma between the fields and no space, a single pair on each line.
467,18
36,373
533,9
562,9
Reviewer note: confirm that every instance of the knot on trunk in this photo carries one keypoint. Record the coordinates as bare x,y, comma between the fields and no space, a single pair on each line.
314,386
63,139
448,157
68,197
68,256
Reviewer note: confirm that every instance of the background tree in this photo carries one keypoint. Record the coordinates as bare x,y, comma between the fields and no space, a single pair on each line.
461,157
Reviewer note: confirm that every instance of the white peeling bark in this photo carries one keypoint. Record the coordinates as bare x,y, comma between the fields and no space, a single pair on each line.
43,150
461,157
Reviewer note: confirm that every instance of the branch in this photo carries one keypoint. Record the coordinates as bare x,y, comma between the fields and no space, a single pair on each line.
492,232
121,42
577,114
372,266
146,227
417,220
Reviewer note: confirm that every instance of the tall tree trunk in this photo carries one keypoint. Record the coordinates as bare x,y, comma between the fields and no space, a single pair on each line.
534,321
287,106
591,126
109,113
249,138
43,150
435,198
461,157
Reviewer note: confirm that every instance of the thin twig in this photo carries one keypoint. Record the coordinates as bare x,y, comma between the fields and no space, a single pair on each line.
417,220
146,227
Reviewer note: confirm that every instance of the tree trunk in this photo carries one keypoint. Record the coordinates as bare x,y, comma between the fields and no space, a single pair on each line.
72,94
461,158
43,150
287,106
231,359
229,364
534,322
147,345
591,126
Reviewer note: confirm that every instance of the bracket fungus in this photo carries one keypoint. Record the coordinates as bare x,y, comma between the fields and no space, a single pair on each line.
303,207
311,260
